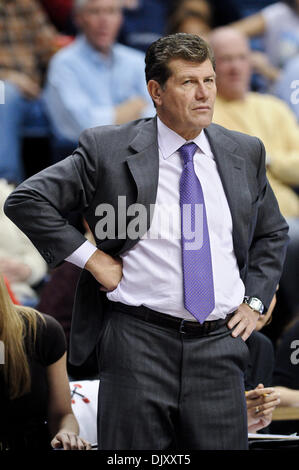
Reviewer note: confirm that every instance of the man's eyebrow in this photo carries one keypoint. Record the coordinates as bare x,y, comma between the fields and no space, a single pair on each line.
194,75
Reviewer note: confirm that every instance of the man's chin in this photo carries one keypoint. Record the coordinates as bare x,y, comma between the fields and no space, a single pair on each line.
102,46
201,124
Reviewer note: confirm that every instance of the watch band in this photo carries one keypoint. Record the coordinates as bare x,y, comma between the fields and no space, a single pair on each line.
255,304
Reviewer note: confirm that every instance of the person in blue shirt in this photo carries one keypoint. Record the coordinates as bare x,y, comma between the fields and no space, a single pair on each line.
26,45
95,81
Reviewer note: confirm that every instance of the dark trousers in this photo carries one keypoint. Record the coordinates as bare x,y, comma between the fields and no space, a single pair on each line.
161,389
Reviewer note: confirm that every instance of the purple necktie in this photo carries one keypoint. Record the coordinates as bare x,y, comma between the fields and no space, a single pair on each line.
199,297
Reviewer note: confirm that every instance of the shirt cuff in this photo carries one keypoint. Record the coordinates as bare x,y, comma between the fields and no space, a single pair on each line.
80,256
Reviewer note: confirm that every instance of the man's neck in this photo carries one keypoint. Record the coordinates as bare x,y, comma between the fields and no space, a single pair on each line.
187,134
103,52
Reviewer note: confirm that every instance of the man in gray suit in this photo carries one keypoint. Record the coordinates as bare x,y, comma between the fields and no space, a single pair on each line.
168,296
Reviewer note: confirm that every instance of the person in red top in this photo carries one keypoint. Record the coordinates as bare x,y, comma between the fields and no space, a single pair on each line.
60,13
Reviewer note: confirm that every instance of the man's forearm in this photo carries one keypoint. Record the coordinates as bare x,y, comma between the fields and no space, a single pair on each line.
288,396
106,269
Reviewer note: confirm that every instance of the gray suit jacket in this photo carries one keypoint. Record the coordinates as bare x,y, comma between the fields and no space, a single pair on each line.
123,160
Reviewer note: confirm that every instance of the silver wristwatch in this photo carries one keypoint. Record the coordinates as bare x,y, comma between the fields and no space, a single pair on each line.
254,303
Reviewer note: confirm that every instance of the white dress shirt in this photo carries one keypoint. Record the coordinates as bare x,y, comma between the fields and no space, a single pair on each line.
152,269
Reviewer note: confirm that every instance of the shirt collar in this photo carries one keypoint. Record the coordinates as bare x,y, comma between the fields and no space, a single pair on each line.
169,141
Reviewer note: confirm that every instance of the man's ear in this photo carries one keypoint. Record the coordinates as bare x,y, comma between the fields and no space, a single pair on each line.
155,91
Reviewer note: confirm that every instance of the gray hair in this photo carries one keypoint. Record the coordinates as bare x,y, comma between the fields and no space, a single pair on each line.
185,46
78,4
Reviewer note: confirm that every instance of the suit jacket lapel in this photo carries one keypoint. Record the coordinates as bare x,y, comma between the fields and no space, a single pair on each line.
144,167
232,171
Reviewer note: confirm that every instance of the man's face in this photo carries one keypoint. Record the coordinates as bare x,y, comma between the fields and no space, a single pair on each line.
233,67
100,21
186,102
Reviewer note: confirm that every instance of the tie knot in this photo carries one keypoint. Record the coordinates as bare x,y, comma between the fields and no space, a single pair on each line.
187,151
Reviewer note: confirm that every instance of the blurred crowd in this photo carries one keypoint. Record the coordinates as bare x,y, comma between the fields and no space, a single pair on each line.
67,65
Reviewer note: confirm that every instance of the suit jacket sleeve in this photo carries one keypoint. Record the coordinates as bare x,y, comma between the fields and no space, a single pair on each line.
268,240
39,206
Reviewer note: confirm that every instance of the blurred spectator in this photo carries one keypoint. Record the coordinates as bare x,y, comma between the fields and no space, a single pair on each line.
147,20
144,22
95,81
26,39
261,363
225,12
35,402
57,300
20,262
60,13
279,26
261,115
287,87
248,7
58,294
286,373
201,16
266,319
221,12
261,402
262,357
270,119
10,292
259,374
191,20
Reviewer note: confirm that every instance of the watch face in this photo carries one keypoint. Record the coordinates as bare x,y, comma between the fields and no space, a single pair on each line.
256,304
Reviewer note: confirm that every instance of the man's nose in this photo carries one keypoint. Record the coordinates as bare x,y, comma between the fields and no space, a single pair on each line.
236,64
202,92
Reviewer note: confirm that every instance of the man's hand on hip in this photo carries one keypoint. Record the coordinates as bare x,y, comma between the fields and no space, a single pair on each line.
106,270
243,321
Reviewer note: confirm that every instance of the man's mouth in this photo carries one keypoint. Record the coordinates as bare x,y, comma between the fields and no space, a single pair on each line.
202,108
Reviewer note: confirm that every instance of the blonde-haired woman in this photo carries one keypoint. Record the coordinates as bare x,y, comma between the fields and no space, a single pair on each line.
35,403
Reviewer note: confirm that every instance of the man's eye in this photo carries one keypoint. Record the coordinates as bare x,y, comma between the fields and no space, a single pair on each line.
186,82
